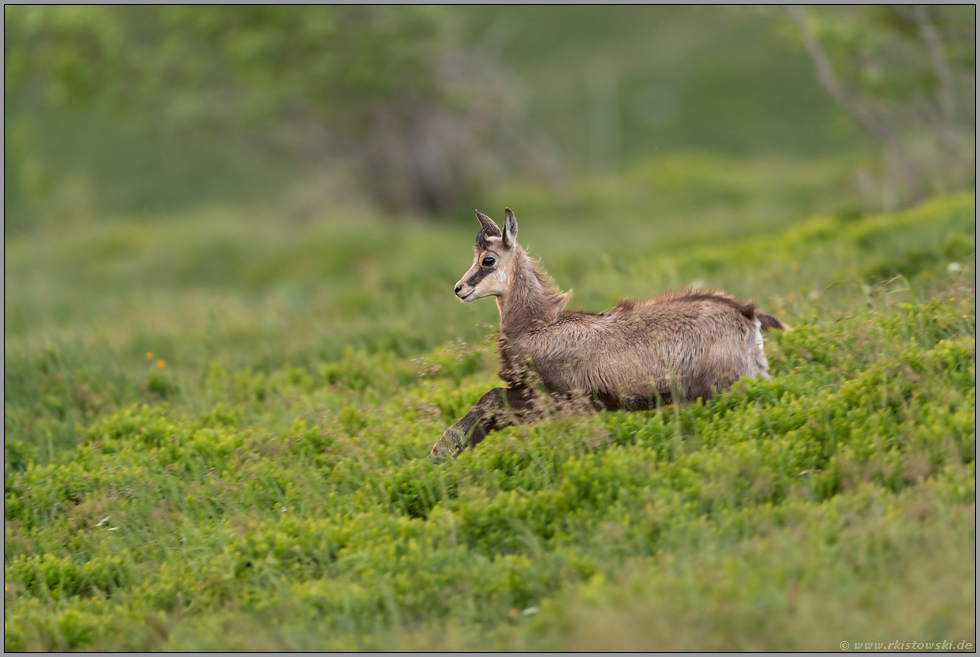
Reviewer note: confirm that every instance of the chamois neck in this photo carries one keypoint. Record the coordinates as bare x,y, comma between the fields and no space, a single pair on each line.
532,302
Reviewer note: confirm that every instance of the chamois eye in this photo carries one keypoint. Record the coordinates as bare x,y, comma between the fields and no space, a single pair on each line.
489,261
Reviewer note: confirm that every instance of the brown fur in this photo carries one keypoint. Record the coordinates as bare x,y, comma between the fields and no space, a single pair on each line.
677,347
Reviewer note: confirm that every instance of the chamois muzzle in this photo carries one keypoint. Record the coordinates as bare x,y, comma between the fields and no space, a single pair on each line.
464,295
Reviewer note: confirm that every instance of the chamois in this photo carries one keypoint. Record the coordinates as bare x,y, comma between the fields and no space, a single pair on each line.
676,347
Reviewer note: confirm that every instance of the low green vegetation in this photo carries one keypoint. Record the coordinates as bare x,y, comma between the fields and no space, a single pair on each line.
259,480
230,337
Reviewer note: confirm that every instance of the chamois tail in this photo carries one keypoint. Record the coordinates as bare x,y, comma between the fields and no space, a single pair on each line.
770,322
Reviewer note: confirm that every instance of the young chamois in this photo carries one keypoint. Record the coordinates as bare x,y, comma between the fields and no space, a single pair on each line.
676,347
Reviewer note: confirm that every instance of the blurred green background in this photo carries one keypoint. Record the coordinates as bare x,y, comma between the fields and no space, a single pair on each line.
144,112
231,236
265,185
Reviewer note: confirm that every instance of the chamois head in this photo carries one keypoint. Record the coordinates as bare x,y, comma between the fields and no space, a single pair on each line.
491,274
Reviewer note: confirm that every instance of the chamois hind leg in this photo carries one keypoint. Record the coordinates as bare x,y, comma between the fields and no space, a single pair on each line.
496,409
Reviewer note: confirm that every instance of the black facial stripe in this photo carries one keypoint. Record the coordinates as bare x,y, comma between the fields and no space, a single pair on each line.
475,279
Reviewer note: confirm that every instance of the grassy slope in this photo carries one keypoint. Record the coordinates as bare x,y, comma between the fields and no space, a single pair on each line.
252,504
84,304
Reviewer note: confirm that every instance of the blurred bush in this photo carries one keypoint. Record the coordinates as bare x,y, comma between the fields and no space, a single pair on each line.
385,89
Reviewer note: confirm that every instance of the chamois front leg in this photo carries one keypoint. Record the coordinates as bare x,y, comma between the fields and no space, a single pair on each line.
499,408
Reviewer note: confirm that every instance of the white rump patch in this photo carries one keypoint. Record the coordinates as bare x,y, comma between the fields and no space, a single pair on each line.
761,362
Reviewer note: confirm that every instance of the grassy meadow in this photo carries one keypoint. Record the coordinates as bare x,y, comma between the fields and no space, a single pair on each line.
224,367
217,429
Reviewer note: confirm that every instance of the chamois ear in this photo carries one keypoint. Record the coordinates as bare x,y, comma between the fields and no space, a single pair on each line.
510,228
490,229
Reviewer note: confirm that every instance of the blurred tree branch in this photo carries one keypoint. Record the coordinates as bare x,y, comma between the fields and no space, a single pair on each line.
873,126
889,68
930,36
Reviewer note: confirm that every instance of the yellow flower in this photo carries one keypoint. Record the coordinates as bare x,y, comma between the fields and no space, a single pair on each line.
149,355
161,364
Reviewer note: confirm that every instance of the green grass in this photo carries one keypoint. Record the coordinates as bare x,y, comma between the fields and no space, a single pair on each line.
269,488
